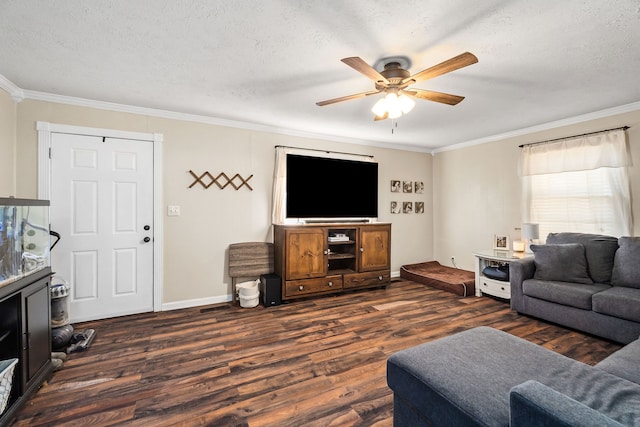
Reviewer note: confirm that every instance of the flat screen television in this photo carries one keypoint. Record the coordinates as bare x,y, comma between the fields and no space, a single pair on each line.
333,189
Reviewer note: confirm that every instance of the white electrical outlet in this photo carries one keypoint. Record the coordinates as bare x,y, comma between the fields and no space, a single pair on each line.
173,210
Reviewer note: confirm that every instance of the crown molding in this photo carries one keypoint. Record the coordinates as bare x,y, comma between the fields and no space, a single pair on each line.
627,108
16,93
123,108
20,94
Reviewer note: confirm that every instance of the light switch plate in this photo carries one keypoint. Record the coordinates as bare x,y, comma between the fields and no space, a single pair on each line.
173,210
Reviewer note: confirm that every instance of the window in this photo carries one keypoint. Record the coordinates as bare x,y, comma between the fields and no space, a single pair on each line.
579,184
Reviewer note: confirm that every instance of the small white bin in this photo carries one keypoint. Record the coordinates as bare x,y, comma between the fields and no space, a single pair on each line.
249,301
248,288
248,293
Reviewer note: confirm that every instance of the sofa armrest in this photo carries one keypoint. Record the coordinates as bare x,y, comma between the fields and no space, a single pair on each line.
519,271
534,404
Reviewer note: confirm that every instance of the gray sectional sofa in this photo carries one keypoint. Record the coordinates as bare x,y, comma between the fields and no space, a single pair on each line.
487,377
588,282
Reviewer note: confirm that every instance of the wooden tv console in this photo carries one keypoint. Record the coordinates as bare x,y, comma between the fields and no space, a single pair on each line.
315,259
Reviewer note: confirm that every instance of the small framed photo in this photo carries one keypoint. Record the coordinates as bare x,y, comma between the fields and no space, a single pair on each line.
395,186
407,207
407,186
419,187
395,207
419,207
501,242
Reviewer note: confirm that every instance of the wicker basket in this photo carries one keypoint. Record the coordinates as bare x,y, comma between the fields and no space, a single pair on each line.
6,379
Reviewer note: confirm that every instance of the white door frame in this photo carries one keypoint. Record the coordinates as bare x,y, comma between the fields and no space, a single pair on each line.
45,129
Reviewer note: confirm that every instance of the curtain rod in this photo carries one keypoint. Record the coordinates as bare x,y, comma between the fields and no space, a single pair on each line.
325,151
574,136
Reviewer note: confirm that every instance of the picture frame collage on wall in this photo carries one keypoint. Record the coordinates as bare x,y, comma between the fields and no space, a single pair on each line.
407,187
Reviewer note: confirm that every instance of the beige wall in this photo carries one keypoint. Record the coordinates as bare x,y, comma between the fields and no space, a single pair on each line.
196,242
477,190
471,193
7,144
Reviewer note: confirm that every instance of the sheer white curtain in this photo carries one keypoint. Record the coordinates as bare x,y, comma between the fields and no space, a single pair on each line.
279,214
578,184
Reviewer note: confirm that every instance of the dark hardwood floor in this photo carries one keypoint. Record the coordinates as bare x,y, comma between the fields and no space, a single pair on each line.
315,362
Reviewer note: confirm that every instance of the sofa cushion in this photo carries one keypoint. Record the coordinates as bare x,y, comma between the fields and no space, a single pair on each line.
626,267
624,363
571,294
618,301
599,251
564,262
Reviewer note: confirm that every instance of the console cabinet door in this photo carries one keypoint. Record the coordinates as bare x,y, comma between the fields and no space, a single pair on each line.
306,255
37,332
375,248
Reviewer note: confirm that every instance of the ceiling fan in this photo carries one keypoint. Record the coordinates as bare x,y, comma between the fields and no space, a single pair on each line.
394,81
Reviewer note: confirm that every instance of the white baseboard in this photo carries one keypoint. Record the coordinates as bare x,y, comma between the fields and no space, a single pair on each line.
195,302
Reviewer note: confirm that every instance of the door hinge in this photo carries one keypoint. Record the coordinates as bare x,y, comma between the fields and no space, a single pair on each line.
49,152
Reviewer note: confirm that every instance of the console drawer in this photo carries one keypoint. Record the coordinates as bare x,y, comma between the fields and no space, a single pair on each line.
312,286
373,278
496,288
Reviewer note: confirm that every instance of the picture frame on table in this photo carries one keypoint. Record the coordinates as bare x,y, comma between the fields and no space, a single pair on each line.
500,242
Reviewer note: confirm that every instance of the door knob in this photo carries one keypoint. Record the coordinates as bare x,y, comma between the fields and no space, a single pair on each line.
147,228
147,239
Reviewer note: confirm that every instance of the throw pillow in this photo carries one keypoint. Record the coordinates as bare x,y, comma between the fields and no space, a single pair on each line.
626,264
564,262
598,249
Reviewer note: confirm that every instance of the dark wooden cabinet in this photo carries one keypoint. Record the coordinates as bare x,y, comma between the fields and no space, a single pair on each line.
315,259
25,332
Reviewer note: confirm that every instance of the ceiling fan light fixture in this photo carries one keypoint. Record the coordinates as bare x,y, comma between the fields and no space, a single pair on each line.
392,103
406,103
379,108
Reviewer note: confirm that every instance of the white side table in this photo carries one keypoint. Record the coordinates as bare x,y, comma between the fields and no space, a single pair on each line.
487,257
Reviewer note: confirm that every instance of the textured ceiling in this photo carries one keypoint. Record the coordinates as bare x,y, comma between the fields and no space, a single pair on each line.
268,62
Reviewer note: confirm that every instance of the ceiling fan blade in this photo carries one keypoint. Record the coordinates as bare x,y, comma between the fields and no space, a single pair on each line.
447,66
346,98
382,117
429,95
360,66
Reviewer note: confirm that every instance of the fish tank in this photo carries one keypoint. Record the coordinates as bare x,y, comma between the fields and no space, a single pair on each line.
24,238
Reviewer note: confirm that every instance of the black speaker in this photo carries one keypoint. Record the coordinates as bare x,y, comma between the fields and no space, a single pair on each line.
270,290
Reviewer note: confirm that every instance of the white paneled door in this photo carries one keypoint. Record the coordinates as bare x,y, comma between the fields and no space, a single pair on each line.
102,206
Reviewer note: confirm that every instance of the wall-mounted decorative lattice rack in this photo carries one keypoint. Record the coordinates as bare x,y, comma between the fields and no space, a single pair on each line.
221,180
